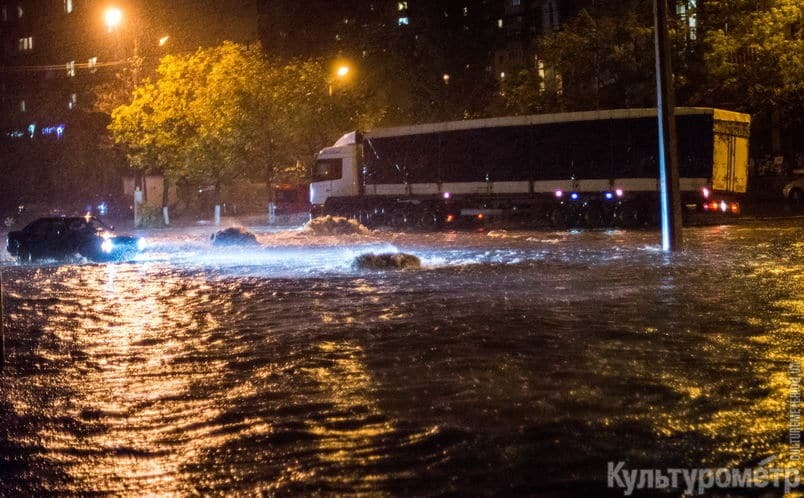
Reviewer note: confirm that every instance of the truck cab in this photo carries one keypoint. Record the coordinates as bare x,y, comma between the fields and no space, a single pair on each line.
335,172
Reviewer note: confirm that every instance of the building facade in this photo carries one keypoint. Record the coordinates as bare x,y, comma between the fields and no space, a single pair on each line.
497,34
54,54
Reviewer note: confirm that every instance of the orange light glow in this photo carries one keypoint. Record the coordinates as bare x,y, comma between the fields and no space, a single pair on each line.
112,17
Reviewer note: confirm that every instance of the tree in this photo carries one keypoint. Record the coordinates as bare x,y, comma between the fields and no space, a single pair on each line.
227,112
601,58
755,59
117,88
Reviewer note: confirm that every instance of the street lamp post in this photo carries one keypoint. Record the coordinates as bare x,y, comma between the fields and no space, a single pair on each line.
113,19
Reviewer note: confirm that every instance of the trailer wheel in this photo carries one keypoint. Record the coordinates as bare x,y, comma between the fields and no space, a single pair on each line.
796,197
560,218
399,219
429,220
593,216
628,216
365,218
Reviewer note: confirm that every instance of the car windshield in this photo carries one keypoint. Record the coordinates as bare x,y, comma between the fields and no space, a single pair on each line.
98,225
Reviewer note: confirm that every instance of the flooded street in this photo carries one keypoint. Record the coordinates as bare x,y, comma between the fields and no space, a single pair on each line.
512,362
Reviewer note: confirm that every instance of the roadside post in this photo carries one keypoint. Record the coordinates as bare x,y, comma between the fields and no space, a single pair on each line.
669,193
137,203
272,213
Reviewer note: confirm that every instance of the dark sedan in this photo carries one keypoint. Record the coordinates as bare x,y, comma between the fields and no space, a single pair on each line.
62,237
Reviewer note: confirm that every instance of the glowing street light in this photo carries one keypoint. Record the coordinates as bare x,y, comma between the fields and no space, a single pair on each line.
340,74
112,17
163,41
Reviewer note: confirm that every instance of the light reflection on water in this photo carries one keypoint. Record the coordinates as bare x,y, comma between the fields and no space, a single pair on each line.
513,362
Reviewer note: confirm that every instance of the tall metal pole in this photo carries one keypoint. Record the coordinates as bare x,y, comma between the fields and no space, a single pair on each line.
669,192
2,328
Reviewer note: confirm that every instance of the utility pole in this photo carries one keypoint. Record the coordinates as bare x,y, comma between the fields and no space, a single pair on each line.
2,328
669,192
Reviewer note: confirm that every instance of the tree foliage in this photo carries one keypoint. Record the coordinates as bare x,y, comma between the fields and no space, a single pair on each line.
601,58
755,59
747,57
227,112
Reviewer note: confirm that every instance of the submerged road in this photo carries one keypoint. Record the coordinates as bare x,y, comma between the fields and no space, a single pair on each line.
512,362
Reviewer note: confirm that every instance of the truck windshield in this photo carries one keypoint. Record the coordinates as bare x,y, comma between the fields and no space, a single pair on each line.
327,169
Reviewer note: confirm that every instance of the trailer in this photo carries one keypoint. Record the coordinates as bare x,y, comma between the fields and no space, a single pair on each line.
588,169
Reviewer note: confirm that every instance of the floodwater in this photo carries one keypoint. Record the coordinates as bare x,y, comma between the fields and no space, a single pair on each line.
511,363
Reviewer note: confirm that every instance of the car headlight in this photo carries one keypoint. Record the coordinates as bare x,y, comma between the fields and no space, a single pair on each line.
107,245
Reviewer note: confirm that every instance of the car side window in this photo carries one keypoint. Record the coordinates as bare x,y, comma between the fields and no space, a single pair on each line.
38,228
76,225
55,228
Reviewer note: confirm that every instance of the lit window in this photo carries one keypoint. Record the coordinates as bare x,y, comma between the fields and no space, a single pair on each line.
23,108
68,6
71,69
466,11
502,75
20,12
25,44
499,23
403,21
5,13
73,102
92,63
402,6
515,3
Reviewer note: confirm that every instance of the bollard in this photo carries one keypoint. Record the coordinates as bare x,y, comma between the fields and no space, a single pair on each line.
272,213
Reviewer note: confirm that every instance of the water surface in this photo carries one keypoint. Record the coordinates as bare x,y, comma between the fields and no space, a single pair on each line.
512,362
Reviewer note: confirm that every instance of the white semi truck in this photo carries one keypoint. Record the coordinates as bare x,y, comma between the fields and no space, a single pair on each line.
590,169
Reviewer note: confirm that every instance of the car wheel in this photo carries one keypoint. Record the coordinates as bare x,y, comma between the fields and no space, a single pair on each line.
24,255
